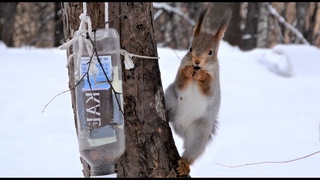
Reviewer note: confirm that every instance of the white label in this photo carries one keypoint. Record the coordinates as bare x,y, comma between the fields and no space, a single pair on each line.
99,80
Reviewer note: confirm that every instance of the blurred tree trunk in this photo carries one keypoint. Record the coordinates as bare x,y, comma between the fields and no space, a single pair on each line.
150,148
249,37
262,31
175,27
58,33
283,13
301,17
7,15
172,29
234,33
311,33
34,24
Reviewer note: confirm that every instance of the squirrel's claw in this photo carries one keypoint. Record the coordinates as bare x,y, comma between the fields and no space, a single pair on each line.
183,168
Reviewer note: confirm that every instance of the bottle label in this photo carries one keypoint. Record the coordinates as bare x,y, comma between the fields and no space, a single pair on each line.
98,101
98,108
99,80
99,115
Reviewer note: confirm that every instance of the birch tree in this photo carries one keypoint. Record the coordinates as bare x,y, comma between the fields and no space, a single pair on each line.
262,31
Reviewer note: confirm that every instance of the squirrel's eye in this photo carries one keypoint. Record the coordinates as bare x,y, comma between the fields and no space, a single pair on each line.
210,53
190,49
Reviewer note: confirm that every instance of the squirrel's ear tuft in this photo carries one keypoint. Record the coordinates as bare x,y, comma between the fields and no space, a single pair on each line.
224,24
197,28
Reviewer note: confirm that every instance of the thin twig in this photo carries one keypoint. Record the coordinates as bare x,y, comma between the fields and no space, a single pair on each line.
281,19
53,99
105,74
72,88
271,162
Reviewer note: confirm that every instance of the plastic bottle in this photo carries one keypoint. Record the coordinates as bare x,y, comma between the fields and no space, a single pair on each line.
100,119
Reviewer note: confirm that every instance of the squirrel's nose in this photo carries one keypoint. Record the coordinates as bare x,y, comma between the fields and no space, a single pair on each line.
197,62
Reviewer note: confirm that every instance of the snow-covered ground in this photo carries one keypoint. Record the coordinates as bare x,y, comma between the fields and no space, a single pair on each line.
269,118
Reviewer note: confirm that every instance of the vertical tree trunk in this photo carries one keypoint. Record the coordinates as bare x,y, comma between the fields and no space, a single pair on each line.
150,149
58,34
163,27
234,33
249,37
71,22
313,33
302,16
34,24
171,29
262,38
8,14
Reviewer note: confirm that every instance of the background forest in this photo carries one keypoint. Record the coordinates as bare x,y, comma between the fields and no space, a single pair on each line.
254,24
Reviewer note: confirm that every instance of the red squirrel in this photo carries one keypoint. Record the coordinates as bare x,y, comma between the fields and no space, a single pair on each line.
192,101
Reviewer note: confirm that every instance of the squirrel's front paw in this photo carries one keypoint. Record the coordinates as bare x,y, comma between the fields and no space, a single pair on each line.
183,168
188,71
200,75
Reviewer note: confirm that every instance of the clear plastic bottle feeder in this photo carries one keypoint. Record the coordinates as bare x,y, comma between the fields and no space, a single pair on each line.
100,119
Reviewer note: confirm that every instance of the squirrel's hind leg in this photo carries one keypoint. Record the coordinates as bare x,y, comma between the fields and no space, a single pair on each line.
195,140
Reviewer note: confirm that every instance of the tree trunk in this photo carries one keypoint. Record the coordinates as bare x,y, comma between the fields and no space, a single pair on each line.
262,31
34,24
7,14
302,16
249,37
173,30
234,33
150,148
313,33
58,33
71,22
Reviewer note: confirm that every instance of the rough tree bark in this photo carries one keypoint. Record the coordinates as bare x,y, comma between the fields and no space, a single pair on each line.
70,14
150,151
150,148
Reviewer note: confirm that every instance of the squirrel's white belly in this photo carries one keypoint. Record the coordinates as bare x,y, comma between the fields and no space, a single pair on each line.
192,105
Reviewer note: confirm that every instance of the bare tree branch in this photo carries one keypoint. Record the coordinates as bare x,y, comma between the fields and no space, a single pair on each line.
271,162
169,8
286,24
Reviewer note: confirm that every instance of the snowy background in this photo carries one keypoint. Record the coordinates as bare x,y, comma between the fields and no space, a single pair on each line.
269,117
